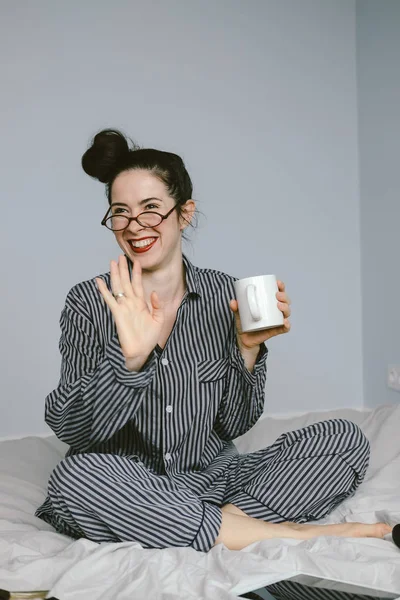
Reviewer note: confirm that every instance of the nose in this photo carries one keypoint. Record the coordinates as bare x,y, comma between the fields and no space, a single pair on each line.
134,227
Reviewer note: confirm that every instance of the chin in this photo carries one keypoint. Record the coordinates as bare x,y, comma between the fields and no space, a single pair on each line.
154,258
148,261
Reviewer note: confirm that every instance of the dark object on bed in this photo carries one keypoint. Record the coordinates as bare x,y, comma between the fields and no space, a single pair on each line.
6,595
309,587
396,535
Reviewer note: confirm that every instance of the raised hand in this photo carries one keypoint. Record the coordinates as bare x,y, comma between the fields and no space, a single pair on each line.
138,324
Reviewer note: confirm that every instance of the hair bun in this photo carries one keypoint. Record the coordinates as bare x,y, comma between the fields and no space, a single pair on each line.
107,149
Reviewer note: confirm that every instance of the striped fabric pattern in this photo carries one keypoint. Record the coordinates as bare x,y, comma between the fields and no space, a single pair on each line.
101,406
179,414
151,456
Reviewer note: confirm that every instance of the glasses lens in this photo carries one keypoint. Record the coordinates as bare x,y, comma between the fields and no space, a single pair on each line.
117,222
149,219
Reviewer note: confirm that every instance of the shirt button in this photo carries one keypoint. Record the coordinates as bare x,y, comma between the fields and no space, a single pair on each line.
167,456
169,408
164,361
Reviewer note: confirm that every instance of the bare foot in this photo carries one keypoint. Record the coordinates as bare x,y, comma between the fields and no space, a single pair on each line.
304,531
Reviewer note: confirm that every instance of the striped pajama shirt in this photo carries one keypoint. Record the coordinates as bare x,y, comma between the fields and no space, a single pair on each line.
151,455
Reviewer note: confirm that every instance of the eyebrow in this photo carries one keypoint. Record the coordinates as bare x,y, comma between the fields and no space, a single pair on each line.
140,203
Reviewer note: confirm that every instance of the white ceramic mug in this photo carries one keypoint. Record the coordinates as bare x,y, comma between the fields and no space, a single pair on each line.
257,302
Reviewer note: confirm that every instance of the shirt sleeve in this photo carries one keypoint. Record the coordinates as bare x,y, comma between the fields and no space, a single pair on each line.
96,394
243,400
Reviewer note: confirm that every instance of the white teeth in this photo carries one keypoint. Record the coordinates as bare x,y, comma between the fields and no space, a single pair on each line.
142,243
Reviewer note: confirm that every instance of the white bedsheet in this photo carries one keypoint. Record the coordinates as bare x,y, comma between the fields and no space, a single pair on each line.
34,556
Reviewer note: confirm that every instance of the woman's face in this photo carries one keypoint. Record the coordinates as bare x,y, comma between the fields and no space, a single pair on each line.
137,191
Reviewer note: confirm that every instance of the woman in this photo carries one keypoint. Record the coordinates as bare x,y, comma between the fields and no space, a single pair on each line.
157,379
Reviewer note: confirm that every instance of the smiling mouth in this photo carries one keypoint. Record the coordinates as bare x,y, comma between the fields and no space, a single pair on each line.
142,245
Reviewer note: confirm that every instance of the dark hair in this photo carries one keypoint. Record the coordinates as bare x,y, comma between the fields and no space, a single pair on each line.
109,155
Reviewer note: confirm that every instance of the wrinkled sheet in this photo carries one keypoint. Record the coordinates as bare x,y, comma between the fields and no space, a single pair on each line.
34,556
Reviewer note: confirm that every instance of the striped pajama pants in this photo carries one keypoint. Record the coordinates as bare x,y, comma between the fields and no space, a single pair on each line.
302,476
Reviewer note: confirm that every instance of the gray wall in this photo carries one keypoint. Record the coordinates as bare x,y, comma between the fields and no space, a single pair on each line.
260,100
378,62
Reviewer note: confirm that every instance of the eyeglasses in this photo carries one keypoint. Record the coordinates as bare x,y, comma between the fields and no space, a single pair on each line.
145,219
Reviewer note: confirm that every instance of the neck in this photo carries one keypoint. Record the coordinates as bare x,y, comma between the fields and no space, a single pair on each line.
167,280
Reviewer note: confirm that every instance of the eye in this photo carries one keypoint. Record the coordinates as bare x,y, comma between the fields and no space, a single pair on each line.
151,206
117,210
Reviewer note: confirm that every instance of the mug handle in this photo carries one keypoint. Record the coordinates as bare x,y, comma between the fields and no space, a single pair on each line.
252,301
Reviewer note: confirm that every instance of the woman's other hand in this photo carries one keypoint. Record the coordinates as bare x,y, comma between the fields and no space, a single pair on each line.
253,339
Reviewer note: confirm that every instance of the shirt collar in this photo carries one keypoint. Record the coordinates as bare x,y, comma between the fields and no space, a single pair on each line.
192,276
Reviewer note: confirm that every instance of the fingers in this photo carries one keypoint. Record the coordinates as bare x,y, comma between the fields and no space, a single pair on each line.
282,328
120,276
283,297
123,274
284,301
155,301
234,305
120,280
264,334
285,308
281,285
116,285
105,292
136,284
157,308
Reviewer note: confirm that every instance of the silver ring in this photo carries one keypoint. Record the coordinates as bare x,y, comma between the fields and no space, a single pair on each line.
118,295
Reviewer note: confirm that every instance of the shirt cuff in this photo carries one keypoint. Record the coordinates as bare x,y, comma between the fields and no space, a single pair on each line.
237,361
134,379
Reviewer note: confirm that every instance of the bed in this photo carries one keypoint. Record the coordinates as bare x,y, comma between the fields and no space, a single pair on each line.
33,556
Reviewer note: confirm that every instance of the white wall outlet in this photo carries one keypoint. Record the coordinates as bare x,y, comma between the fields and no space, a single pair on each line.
393,378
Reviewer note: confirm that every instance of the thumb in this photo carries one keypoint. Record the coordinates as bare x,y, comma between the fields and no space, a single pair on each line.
158,308
233,304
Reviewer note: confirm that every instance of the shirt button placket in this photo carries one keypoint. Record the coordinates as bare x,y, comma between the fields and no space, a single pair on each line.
167,455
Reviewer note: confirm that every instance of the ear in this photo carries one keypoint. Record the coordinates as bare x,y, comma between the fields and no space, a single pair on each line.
188,210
